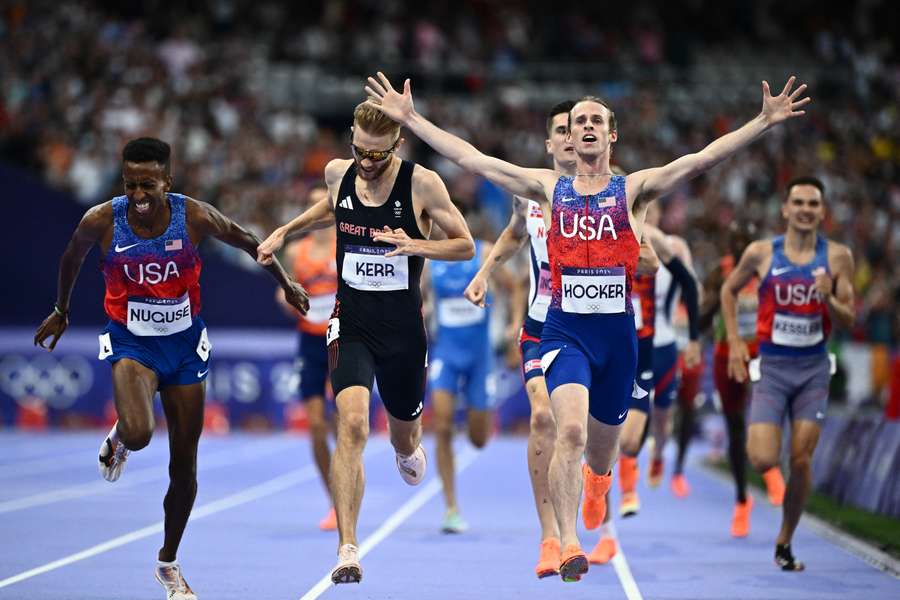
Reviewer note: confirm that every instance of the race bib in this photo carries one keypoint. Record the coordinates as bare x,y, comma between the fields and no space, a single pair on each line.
105,346
590,290
754,371
158,316
367,268
458,312
538,308
796,331
333,332
320,308
638,313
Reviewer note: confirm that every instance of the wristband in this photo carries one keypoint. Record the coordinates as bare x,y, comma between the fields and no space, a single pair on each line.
59,312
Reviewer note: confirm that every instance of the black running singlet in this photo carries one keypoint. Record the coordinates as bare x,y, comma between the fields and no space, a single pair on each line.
374,289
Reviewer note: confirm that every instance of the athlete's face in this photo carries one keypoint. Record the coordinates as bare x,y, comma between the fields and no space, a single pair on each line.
590,129
146,184
804,208
364,145
559,145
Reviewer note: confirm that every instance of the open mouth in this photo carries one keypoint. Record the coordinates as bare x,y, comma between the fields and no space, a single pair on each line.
569,149
589,137
142,207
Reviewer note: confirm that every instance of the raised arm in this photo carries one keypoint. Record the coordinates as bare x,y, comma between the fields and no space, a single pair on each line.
754,258
206,220
649,184
838,289
94,224
511,239
432,196
530,183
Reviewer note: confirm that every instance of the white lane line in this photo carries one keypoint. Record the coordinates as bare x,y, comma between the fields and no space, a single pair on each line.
134,478
620,564
267,488
395,520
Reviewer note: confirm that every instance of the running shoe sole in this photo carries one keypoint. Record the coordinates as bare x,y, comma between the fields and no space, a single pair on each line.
572,570
346,574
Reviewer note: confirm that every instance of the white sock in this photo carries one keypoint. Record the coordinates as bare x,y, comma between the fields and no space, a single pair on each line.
608,529
161,564
114,436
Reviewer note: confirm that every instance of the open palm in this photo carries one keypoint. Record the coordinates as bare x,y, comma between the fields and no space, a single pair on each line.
383,95
785,105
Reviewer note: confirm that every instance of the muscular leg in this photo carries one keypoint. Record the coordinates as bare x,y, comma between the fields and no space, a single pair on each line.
134,386
764,446
444,406
804,437
570,409
405,435
661,427
685,433
183,406
541,439
602,446
318,433
479,424
632,433
347,477
737,454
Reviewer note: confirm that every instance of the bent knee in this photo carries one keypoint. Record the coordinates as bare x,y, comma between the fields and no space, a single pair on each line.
573,435
542,422
135,437
355,427
762,461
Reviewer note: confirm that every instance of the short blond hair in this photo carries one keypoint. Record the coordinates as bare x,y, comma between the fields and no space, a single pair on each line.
370,119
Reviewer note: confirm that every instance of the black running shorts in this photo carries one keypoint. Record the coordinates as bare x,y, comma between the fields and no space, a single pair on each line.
394,357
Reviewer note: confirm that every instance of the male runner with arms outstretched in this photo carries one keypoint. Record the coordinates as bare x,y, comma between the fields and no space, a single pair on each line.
383,208
805,281
155,339
588,345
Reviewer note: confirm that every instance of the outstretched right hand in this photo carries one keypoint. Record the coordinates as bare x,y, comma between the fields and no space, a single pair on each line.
476,291
54,325
265,252
382,94
738,357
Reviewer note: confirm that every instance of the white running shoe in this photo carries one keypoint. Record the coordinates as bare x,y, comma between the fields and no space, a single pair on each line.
112,457
412,468
170,577
348,569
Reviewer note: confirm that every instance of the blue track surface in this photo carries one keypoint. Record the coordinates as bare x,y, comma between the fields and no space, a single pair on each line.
255,531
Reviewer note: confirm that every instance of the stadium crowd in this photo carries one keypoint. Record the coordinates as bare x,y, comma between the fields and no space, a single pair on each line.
256,98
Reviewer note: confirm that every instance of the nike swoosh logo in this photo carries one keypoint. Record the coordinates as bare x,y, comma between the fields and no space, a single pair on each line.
777,272
623,414
124,248
202,373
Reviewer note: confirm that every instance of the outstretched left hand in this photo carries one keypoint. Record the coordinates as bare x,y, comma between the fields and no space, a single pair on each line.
406,246
785,105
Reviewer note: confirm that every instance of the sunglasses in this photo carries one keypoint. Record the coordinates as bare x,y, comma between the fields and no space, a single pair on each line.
373,155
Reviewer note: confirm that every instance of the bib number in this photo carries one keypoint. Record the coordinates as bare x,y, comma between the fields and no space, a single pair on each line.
366,268
158,316
797,332
458,312
593,290
333,332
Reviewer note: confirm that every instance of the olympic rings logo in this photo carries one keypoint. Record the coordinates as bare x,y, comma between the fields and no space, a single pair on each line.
58,381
